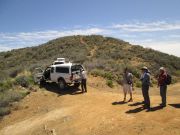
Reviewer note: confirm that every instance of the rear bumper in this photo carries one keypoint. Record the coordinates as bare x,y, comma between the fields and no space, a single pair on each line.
74,81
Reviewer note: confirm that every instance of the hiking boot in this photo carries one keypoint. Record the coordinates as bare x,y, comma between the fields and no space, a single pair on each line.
163,105
148,109
124,100
130,100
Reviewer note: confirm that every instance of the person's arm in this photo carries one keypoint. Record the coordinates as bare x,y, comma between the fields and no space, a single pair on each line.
132,80
158,80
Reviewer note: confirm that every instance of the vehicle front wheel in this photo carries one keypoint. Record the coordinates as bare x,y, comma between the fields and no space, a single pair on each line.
62,84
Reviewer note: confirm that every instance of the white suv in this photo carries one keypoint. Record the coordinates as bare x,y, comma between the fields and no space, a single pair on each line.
63,74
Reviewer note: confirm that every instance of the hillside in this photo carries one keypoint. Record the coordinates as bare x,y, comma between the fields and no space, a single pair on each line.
48,111
100,55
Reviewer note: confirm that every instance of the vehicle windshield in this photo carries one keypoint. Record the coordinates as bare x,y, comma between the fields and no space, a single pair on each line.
56,63
75,68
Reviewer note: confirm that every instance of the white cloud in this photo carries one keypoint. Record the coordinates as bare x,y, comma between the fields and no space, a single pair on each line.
145,34
10,41
148,27
4,48
171,47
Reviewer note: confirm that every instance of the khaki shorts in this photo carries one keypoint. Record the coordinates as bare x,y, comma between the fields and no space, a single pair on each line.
127,88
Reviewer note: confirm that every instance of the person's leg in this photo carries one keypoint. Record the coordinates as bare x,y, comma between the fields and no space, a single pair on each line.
125,91
82,87
146,98
143,93
163,93
130,93
85,86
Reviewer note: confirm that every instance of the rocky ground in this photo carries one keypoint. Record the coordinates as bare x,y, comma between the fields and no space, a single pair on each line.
100,111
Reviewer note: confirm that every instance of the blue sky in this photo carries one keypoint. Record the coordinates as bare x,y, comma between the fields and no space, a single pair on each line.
153,24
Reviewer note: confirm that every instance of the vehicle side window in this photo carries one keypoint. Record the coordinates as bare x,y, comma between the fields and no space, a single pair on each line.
62,70
52,69
76,68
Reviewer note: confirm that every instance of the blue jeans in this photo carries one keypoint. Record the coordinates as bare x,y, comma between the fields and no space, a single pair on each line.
145,92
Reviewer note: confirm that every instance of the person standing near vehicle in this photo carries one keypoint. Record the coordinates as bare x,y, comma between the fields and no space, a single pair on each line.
162,77
127,84
145,79
83,76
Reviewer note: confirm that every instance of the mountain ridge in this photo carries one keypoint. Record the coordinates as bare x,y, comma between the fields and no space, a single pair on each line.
96,52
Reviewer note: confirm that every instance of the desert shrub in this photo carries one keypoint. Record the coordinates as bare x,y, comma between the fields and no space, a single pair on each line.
23,81
8,54
14,73
174,79
7,84
4,111
7,96
138,84
97,72
109,83
108,76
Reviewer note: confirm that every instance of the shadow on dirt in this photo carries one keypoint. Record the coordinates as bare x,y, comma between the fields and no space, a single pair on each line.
156,108
119,103
175,105
136,110
53,87
139,109
136,104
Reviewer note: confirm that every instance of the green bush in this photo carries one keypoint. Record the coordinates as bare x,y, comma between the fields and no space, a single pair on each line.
109,83
138,84
8,96
96,73
7,84
23,81
4,111
108,76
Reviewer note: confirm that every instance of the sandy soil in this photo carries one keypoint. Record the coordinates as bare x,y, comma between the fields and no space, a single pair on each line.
98,112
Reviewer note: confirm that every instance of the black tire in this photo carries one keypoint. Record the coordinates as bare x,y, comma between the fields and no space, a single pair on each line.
42,82
61,84
76,85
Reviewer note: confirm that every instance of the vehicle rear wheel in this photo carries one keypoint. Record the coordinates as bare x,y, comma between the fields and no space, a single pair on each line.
42,81
76,85
61,84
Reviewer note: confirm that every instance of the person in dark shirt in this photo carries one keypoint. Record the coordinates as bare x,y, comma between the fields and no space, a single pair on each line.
162,85
145,79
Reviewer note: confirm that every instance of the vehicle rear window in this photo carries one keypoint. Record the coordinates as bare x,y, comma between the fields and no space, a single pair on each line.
76,68
62,70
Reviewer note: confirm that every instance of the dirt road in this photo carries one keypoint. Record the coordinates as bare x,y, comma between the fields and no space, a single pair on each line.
98,112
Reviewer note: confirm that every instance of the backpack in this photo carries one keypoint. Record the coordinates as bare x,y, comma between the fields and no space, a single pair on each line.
129,78
168,79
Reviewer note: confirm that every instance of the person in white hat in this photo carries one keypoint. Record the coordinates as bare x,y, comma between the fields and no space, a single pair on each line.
127,84
83,76
145,79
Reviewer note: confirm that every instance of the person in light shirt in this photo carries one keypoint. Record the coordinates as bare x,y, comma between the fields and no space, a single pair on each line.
83,76
127,84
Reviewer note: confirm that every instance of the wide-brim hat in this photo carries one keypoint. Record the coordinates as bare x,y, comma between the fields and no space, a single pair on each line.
144,68
161,68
